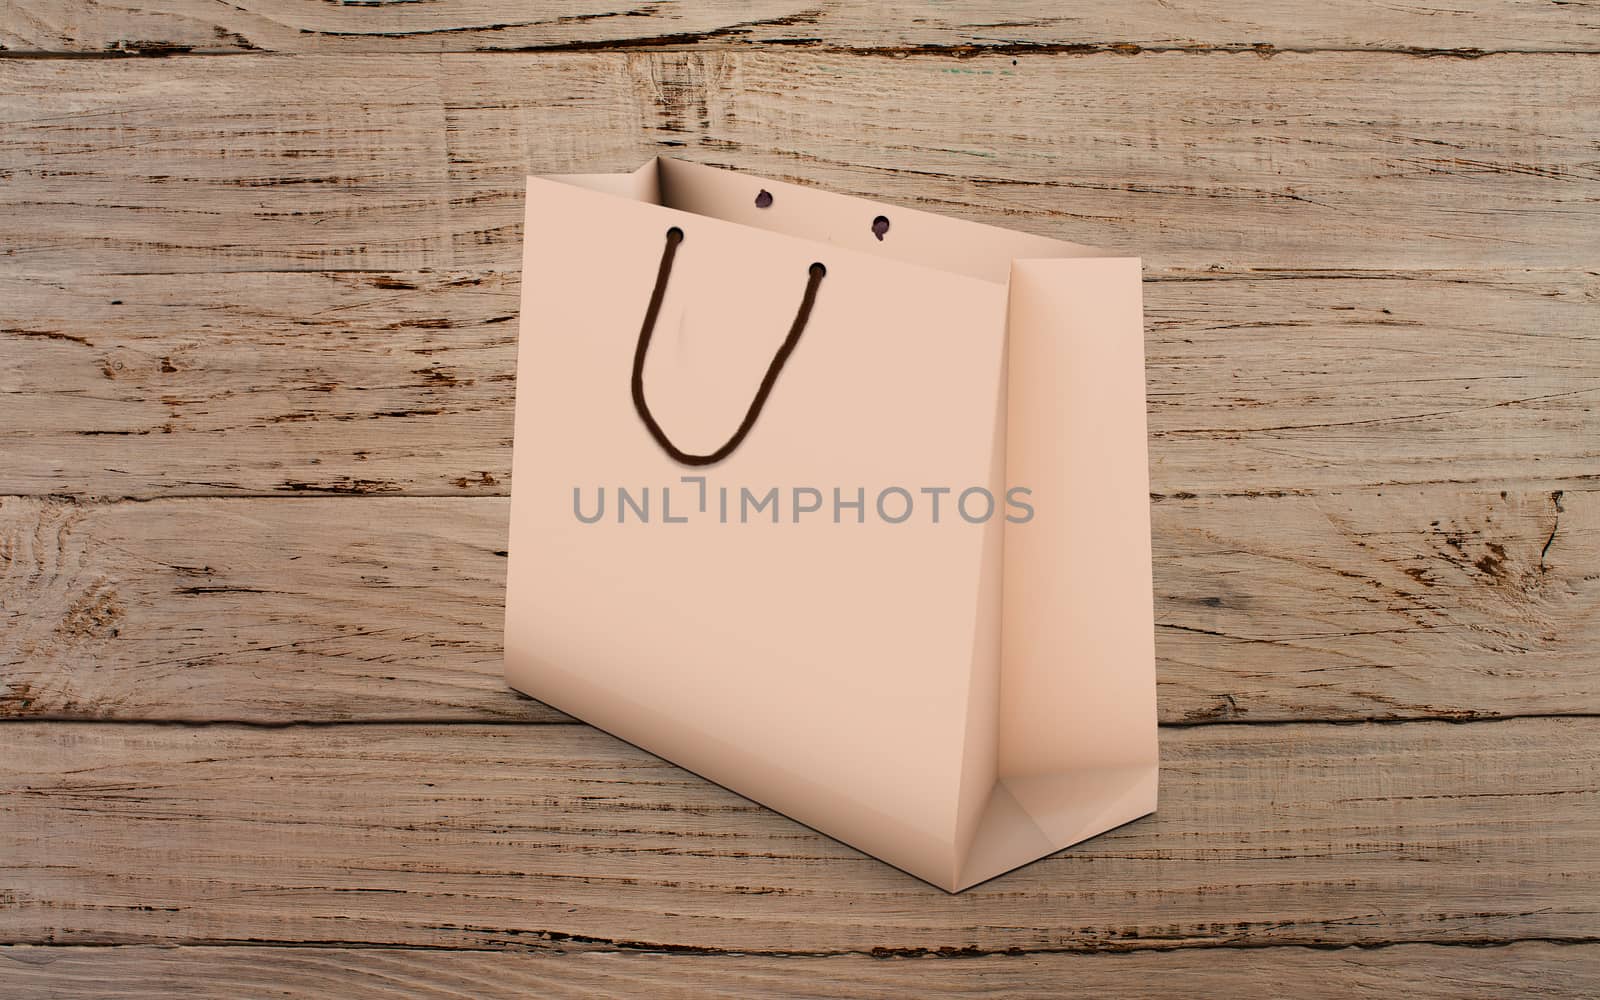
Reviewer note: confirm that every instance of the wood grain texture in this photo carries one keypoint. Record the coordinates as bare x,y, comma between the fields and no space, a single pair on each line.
1393,605
558,837
167,27
1259,381
1333,160
1373,371
1321,316
1533,969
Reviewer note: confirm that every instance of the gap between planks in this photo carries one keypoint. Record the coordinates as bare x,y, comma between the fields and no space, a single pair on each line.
1526,968
560,944
1122,50
76,720
1434,604
569,840
956,28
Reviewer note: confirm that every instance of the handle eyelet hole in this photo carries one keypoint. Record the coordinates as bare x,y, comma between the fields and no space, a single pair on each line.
880,225
764,199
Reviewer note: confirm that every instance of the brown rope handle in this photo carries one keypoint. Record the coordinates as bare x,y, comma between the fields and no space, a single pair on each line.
674,237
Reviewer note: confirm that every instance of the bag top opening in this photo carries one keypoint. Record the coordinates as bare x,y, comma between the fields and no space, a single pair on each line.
904,234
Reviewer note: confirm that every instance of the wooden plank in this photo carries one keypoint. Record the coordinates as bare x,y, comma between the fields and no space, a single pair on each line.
543,837
155,171
162,27
1399,605
1260,380
1332,160
339,381
265,611
1533,969
1325,160
410,168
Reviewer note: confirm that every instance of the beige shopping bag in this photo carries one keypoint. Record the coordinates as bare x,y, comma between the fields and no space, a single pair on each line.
841,505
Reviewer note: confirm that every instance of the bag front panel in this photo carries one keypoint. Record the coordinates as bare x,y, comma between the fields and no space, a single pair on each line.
837,657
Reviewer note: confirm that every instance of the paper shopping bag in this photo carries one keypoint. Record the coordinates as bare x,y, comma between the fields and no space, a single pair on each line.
841,505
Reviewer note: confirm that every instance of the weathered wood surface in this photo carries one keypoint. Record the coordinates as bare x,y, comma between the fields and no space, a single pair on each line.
1321,317
1373,372
1533,969
554,837
1326,160
1393,605
1260,381
163,27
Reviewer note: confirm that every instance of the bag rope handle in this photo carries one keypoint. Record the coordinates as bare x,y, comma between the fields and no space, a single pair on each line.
675,237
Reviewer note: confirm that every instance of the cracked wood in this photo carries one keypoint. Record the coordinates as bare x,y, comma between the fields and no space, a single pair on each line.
1259,381
1419,603
1372,364
1342,294
1531,969
558,838
1327,160
176,27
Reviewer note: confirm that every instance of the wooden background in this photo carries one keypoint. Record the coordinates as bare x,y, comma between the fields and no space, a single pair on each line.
258,296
